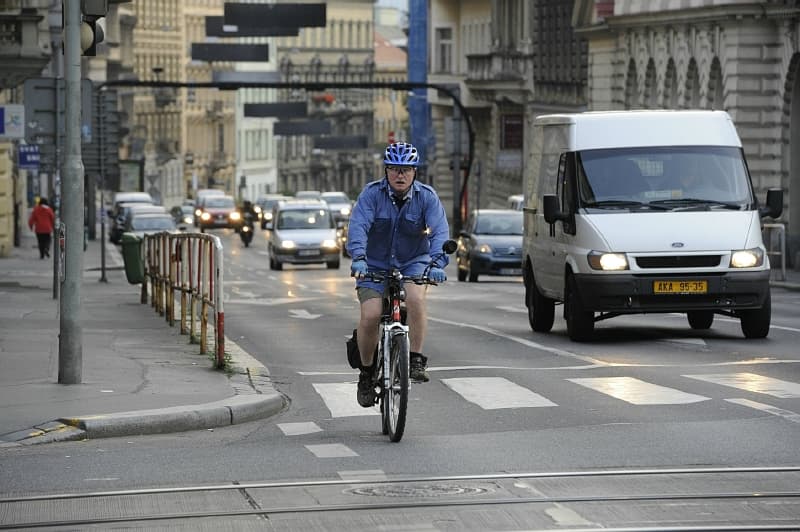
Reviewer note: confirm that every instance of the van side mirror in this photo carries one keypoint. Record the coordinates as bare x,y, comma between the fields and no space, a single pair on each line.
552,209
774,206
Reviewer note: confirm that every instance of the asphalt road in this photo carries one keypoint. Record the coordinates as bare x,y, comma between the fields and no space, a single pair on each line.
649,392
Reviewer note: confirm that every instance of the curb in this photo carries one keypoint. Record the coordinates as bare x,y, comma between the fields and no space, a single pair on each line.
253,398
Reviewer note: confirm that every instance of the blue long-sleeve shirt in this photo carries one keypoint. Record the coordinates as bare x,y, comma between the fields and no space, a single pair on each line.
402,238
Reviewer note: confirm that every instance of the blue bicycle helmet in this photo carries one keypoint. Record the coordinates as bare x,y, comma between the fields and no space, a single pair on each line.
401,154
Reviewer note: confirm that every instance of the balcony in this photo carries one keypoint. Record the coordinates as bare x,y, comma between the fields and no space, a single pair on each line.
21,55
497,74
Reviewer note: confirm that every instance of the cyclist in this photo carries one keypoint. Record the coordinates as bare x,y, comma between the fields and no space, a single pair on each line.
395,223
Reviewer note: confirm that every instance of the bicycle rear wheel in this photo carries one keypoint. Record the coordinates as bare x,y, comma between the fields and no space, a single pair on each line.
395,397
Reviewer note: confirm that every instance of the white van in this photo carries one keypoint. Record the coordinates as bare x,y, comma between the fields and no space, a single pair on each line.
643,212
515,202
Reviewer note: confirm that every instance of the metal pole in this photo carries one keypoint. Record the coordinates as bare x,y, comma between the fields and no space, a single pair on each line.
456,168
69,340
103,147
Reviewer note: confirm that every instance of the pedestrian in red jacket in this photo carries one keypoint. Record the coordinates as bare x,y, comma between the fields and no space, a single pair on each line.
42,221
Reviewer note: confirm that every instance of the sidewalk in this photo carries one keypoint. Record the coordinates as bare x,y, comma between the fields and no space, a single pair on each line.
139,375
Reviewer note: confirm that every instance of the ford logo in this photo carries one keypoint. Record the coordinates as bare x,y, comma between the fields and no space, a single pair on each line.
677,244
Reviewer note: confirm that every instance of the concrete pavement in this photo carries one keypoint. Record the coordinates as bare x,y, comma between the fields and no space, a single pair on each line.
139,375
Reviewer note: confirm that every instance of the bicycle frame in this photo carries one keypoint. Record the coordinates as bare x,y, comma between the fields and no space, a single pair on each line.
391,322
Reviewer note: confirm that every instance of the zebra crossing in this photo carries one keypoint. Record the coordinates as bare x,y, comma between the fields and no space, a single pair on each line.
494,393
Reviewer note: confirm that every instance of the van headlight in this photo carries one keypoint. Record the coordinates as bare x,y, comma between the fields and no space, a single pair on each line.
288,244
747,258
485,248
329,244
600,260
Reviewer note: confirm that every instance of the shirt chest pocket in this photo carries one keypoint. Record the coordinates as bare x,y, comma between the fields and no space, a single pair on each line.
412,224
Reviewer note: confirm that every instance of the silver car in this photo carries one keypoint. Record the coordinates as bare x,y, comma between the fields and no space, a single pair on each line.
303,232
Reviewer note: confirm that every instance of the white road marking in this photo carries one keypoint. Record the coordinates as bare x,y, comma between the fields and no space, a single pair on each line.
303,314
788,415
752,382
331,450
513,308
366,474
296,429
523,341
340,398
638,392
491,393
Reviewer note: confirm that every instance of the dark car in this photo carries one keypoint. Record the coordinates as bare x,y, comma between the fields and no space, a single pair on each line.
264,206
183,215
490,244
339,204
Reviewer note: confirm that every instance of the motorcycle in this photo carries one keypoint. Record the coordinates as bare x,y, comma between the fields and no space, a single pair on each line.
246,230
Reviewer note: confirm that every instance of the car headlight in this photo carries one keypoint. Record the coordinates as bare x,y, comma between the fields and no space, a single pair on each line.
198,212
599,260
484,248
187,219
257,209
205,216
747,258
288,244
268,216
329,244
345,211
235,215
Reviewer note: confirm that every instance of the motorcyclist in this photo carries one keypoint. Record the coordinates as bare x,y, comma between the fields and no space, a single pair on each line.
248,213
395,223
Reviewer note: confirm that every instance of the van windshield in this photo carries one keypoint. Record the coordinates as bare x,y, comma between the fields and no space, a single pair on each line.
664,178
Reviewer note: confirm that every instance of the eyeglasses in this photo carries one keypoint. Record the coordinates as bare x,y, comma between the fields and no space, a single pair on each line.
405,170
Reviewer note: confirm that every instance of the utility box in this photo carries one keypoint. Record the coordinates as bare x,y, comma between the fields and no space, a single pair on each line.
132,256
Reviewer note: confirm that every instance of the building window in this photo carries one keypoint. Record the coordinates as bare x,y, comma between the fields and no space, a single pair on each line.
444,50
511,132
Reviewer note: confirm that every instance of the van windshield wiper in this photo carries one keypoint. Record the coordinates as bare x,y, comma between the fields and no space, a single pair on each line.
694,202
623,204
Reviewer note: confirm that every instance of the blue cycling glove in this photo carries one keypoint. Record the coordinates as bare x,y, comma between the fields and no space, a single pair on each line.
437,275
358,268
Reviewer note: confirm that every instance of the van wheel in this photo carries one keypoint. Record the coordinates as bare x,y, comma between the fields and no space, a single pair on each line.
755,323
700,319
580,322
541,309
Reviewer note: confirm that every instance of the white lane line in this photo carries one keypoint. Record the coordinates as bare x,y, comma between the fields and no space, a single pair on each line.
297,429
366,474
523,341
513,308
340,398
788,415
638,392
491,393
752,382
331,450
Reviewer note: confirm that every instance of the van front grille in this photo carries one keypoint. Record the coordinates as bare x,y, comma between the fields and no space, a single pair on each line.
679,261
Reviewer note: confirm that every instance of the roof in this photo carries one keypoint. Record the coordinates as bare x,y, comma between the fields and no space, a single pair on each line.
614,129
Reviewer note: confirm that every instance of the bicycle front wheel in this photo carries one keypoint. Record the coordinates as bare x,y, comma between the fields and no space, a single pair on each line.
395,397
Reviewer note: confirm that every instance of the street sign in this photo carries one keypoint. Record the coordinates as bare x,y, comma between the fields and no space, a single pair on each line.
40,110
12,121
28,157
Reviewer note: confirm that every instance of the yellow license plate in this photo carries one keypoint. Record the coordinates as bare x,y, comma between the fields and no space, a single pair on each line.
680,287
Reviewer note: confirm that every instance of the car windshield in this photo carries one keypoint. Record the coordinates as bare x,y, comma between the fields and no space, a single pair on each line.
335,197
655,178
305,219
499,223
152,224
219,203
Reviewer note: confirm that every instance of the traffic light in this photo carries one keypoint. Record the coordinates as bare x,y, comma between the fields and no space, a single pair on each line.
91,34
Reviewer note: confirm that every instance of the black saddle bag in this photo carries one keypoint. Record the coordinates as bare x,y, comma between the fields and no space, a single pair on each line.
353,355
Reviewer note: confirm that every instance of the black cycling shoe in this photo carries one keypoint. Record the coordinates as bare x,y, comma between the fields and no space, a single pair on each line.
418,368
366,389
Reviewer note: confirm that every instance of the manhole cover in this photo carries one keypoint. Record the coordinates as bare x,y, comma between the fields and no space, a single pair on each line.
437,490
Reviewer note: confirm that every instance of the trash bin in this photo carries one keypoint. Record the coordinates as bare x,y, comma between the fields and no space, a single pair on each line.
132,256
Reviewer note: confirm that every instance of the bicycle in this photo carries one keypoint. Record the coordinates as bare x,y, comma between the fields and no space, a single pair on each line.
391,362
